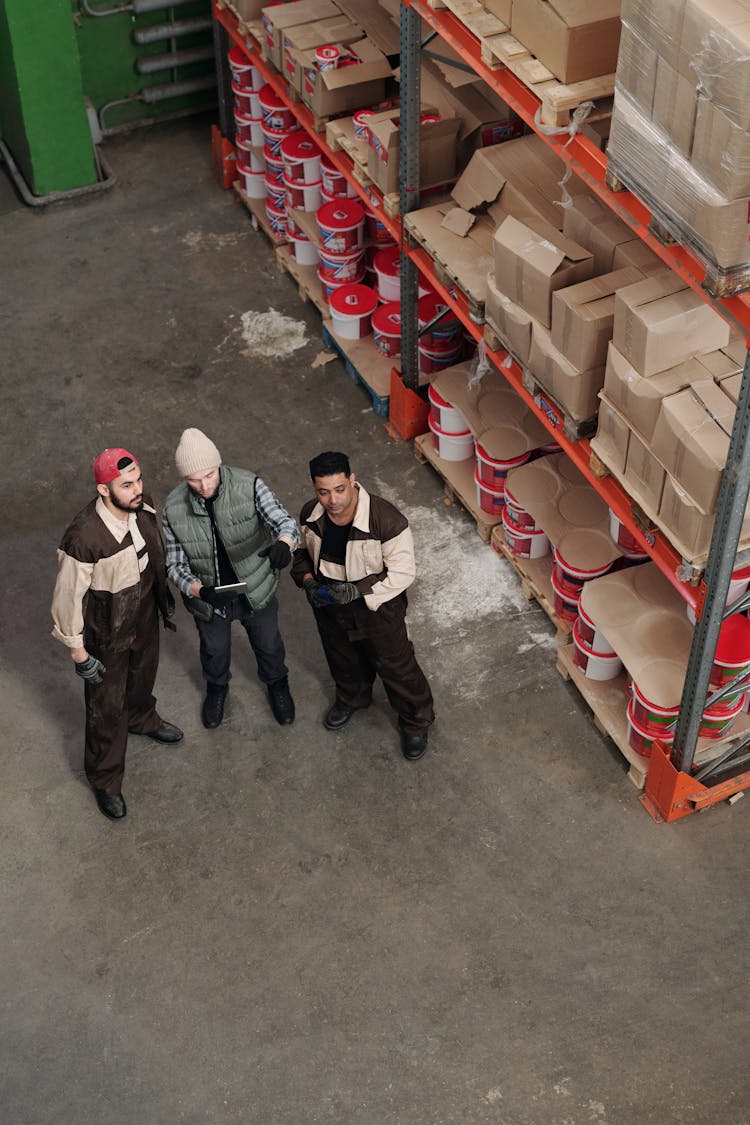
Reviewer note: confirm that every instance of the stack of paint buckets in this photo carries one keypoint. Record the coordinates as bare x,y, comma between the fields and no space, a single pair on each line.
300,159
341,223
277,124
592,652
452,439
247,82
631,551
524,537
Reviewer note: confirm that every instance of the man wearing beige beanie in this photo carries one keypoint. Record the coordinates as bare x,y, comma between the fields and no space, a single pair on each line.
227,538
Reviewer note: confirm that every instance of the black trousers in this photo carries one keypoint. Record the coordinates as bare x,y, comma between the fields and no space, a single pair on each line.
122,702
262,628
360,644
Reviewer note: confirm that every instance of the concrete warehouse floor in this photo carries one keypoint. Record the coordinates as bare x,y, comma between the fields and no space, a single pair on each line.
293,926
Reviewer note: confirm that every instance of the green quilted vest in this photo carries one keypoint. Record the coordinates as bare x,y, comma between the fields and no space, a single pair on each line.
241,531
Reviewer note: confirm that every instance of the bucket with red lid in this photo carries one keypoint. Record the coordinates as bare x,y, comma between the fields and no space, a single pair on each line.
244,74
302,196
641,739
341,267
274,164
717,721
276,113
445,333
493,470
342,225
622,536
488,499
566,604
329,286
594,665
305,252
448,418
243,102
650,717
301,157
432,362
377,230
247,129
590,634
360,120
275,192
335,183
572,579
517,512
352,307
732,651
523,542
328,57
276,218
386,328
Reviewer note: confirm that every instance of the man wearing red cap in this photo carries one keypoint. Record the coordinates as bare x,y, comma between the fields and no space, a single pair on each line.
111,586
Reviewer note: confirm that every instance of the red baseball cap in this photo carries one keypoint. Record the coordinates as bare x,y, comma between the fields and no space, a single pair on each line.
106,465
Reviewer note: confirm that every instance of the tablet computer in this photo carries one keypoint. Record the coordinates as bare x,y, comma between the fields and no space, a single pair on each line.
233,588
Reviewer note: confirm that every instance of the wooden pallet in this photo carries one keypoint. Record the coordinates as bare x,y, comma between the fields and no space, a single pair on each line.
365,365
306,277
573,428
501,49
536,580
458,479
445,273
258,216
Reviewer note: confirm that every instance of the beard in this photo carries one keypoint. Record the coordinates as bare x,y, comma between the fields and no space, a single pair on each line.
130,507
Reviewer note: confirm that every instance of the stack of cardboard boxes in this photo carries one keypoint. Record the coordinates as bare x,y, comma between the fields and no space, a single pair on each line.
680,131
668,405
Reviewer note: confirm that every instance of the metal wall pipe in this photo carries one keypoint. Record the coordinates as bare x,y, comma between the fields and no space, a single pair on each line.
168,90
138,7
153,63
160,31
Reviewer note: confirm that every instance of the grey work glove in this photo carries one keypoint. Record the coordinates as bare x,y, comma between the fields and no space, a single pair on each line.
322,595
278,554
218,600
90,670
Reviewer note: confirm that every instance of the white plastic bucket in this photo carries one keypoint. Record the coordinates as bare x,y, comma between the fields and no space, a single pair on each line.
305,252
272,138
641,738
329,287
523,542
445,334
274,164
246,129
242,100
590,634
327,57
360,119
621,536
451,447
488,500
275,192
572,579
244,74
276,113
301,158
352,307
566,604
517,513
276,218
335,183
430,362
492,471
341,268
594,665
253,183
377,230
342,225
302,196
386,328
446,417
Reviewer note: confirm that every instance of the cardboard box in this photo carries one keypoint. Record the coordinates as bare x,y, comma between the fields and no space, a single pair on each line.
675,100
659,323
503,9
643,618
575,391
731,385
574,38
570,512
612,437
636,253
639,397
591,224
691,439
485,119
714,53
376,24
346,88
644,475
583,316
280,17
636,68
689,528
305,37
658,24
532,260
511,323
437,151
721,151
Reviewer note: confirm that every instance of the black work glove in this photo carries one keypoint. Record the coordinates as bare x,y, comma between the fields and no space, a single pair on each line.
278,554
322,595
211,595
90,670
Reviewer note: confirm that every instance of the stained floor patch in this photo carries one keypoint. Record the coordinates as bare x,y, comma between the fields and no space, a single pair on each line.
271,334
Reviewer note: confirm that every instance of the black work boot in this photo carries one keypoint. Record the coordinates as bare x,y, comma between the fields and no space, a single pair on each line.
213,705
282,703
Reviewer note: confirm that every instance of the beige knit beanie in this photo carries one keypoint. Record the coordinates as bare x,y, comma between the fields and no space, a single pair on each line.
195,453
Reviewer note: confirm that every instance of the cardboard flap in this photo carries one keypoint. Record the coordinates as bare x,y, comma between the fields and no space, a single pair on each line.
376,22
577,13
342,76
480,183
458,221
531,246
